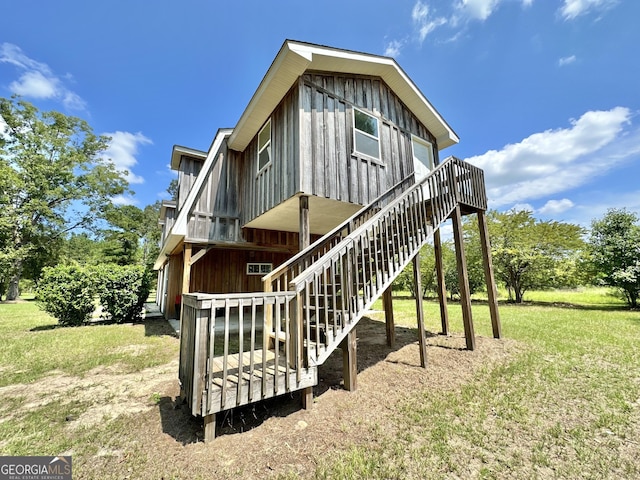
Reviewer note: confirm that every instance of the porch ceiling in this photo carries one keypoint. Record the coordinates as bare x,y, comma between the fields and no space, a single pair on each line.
324,215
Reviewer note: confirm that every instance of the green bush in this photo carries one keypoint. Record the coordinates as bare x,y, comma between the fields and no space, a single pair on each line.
123,291
67,292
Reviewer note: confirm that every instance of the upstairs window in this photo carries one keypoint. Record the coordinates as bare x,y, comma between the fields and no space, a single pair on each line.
264,146
366,137
422,157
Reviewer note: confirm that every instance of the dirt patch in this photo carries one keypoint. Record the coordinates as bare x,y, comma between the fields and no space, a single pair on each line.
277,437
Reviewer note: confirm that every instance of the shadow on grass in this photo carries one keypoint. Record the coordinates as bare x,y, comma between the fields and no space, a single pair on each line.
152,326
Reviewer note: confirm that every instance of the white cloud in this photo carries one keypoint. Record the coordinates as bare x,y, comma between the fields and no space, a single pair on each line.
558,160
122,151
519,207
476,9
572,9
37,79
553,207
566,60
423,22
393,48
124,200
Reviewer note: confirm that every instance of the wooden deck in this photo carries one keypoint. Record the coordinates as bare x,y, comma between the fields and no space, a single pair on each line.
256,377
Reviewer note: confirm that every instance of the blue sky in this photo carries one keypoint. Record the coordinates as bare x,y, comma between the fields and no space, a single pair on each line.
543,94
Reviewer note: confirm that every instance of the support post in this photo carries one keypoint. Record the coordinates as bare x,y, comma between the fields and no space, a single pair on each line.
304,240
186,278
441,287
417,282
387,301
487,263
210,427
305,235
350,361
463,279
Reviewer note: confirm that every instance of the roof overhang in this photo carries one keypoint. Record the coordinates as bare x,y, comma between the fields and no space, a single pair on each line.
294,58
180,151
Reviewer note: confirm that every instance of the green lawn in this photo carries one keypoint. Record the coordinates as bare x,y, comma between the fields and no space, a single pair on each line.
568,406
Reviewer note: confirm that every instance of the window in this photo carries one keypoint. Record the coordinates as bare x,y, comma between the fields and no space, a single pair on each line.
422,157
264,146
259,268
366,138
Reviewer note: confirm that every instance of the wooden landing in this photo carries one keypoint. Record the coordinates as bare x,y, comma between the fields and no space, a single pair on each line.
258,379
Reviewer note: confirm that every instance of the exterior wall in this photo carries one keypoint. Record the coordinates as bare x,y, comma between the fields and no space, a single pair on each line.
225,270
169,220
330,168
187,173
173,281
280,180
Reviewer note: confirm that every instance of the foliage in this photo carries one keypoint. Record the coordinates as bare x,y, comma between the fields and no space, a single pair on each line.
475,271
528,253
52,180
405,282
123,291
615,251
67,292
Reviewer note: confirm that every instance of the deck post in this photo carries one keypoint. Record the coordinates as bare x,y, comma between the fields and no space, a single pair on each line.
417,282
463,279
186,279
488,275
387,301
304,240
350,361
441,285
209,427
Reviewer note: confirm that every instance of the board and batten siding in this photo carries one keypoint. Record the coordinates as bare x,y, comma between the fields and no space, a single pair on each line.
187,173
280,179
330,167
215,214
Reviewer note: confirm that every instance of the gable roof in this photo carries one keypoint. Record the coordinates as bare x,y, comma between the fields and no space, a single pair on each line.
294,58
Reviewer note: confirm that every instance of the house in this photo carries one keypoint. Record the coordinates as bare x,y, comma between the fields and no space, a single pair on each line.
297,219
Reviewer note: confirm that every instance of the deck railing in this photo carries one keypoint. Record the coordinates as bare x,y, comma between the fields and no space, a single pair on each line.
225,360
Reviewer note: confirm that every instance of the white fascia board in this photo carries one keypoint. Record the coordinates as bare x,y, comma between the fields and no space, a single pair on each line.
179,230
294,58
179,151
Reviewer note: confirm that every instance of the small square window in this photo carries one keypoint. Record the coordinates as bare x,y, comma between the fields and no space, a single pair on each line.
259,268
366,137
264,146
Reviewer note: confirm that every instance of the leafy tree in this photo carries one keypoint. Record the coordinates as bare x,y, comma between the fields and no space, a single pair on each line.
404,281
528,253
615,251
52,182
173,190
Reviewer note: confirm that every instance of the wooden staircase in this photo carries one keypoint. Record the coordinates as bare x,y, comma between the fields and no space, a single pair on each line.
237,349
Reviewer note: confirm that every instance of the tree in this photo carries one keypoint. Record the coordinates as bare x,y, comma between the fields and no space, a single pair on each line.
404,281
53,181
614,245
527,252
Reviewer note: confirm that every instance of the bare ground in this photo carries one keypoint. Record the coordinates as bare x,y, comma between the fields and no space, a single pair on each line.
157,439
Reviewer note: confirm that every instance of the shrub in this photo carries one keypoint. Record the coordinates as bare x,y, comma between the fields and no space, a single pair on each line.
67,293
123,291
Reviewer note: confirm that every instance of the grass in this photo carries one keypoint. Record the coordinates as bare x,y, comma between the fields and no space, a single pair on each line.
568,406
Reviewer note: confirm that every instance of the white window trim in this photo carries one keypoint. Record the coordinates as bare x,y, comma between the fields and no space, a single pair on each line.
261,267
355,149
266,145
426,143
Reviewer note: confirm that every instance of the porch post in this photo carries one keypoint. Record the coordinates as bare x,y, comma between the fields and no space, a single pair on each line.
463,279
304,240
488,275
387,302
186,278
441,286
417,282
350,361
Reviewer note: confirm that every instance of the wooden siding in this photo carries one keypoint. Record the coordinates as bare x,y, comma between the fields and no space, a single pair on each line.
225,270
329,166
215,214
280,179
189,170
168,221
